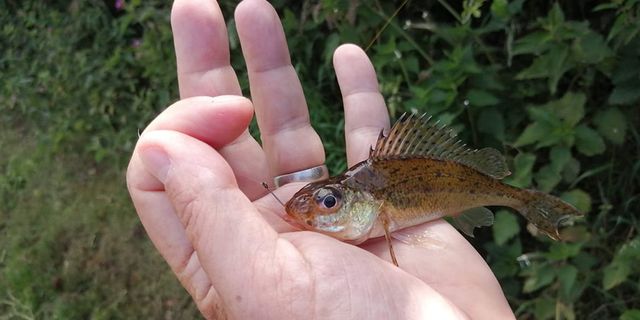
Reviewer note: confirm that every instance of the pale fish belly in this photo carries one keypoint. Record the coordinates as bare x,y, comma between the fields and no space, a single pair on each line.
410,219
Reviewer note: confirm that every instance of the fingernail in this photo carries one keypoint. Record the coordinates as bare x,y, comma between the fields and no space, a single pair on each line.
156,161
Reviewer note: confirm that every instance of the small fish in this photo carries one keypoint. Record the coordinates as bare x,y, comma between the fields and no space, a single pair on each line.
420,172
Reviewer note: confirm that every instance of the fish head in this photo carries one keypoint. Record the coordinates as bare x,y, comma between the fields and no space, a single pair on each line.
335,210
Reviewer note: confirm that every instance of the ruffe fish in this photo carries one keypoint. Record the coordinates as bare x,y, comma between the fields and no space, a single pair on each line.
419,172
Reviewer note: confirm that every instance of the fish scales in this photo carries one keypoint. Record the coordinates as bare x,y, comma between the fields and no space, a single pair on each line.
418,173
416,187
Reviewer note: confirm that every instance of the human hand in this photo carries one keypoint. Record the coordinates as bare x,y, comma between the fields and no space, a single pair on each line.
195,175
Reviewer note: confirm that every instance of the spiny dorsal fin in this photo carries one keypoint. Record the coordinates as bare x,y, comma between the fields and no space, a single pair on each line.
419,137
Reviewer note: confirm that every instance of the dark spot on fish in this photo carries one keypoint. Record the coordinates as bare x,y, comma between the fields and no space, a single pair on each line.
309,222
438,174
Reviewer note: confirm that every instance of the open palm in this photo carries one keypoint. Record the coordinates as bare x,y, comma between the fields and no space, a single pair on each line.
195,179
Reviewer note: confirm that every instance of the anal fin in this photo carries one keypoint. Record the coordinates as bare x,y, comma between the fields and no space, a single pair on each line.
470,219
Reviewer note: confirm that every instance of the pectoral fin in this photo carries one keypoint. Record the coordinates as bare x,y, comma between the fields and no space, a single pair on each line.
470,219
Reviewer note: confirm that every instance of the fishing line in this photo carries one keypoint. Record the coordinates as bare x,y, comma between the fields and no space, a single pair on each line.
266,186
385,25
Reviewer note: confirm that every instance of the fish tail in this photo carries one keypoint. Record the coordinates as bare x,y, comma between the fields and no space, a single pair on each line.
548,213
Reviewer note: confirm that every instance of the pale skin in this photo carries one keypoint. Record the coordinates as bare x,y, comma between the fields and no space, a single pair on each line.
195,176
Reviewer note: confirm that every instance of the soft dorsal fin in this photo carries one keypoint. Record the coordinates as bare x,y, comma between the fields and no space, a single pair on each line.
417,136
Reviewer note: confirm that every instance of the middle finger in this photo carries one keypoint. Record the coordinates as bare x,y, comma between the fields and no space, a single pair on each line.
289,141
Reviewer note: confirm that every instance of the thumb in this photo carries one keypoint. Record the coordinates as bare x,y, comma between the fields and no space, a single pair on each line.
226,230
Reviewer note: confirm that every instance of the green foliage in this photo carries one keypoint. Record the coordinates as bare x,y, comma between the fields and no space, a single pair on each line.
553,85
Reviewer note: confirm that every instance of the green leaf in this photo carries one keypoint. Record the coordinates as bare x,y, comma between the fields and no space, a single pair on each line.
579,199
591,48
559,156
631,314
492,122
559,64
505,226
533,43
588,141
531,134
571,170
481,98
499,8
612,124
556,16
544,308
552,65
523,164
570,108
560,251
539,68
540,277
615,274
624,93
605,6
567,276
547,178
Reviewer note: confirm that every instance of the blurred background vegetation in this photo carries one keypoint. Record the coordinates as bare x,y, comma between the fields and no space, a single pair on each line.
555,85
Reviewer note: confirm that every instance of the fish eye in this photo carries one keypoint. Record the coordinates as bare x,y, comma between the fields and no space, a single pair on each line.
327,198
329,201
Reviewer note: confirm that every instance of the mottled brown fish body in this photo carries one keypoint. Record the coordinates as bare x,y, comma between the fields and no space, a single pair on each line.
418,173
418,186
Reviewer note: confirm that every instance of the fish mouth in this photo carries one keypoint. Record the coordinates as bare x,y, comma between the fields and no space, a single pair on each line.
563,223
292,221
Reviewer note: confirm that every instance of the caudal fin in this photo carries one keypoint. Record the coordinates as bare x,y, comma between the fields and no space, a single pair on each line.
548,213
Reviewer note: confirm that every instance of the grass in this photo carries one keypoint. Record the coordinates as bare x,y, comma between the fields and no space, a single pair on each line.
72,246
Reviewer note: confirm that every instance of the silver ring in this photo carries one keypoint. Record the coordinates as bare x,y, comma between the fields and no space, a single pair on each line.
306,175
